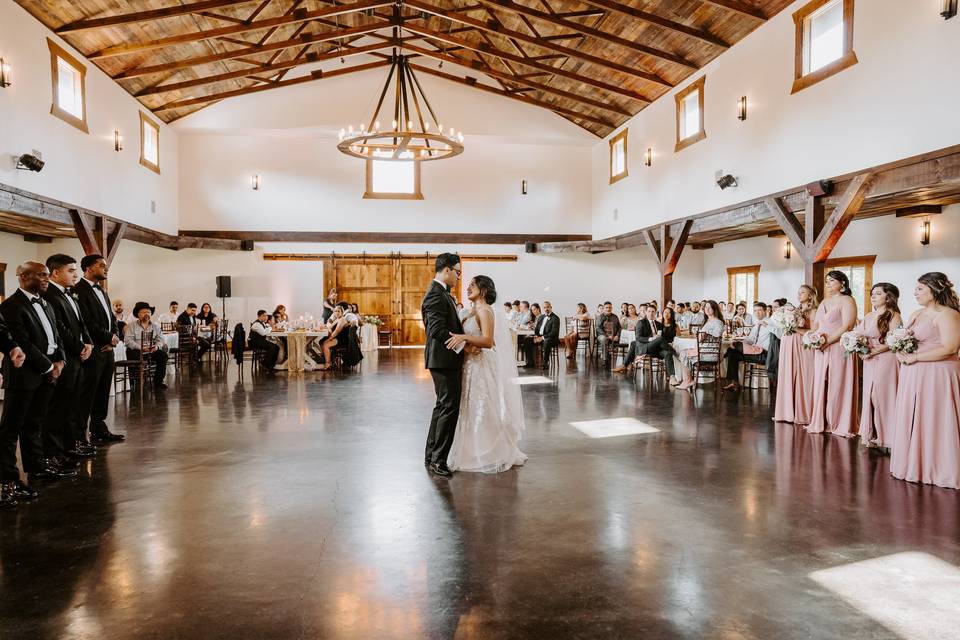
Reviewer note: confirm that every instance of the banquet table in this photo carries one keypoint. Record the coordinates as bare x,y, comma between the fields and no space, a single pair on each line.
298,359
369,340
516,333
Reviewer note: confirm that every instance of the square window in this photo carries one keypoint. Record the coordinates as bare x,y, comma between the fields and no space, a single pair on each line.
618,156
690,123
393,179
824,41
824,36
149,143
690,114
743,284
69,91
68,79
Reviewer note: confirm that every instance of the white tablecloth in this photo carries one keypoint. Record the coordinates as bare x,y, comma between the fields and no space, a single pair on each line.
369,341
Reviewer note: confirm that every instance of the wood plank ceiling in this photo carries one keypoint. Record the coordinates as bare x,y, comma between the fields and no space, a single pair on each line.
594,62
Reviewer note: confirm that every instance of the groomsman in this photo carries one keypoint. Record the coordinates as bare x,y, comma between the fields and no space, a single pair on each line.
101,325
61,434
15,354
32,324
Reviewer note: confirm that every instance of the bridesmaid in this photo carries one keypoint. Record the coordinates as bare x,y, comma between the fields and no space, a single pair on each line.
926,439
880,367
834,374
795,368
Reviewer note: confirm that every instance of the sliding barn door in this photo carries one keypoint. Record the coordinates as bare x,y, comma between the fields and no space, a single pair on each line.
367,282
413,276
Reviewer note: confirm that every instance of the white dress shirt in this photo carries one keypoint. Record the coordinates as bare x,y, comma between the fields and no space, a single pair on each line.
261,328
73,303
44,320
167,318
103,301
759,335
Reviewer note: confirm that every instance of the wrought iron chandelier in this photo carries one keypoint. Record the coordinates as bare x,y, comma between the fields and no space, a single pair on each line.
411,136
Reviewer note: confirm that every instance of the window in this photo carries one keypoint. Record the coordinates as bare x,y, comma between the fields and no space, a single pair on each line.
149,143
743,284
690,115
391,179
68,78
859,269
824,41
618,156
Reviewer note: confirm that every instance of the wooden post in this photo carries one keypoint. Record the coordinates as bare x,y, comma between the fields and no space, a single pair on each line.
666,251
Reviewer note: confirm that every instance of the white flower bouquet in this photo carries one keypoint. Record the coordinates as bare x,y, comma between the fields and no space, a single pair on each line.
813,340
786,320
901,340
374,320
854,343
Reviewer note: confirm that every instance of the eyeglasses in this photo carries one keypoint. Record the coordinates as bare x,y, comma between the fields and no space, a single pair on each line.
458,272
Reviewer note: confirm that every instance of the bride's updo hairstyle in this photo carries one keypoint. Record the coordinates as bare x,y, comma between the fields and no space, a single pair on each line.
488,290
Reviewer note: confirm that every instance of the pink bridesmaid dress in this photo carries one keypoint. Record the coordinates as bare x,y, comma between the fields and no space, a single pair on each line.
794,381
880,374
834,382
926,438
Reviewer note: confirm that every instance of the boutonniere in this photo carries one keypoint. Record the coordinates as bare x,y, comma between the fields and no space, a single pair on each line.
74,296
43,303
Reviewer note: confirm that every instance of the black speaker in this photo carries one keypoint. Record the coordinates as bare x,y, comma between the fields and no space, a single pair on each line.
223,286
246,245
531,247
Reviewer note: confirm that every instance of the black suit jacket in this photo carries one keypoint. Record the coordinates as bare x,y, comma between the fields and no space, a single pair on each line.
100,330
71,331
440,319
548,326
7,343
28,332
185,319
643,331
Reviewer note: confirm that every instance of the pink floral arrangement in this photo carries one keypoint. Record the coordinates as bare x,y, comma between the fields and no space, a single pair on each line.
854,343
901,340
813,340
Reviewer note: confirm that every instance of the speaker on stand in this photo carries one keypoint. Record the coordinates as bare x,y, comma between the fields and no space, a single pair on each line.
223,292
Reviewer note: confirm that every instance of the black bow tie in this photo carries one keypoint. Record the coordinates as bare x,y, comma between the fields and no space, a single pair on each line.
98,287
35,301
67,290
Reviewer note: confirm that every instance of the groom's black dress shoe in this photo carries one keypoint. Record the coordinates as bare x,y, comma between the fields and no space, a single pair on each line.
438,469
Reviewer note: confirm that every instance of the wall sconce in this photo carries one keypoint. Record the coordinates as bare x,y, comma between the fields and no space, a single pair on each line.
787,248
648,157
925,232
523,187
5,74
255,182
948,8
117,140
742,108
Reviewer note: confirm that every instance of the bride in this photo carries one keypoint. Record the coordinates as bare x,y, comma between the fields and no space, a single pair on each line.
491,410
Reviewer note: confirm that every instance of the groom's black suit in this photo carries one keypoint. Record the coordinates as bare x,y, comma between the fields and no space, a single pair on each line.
439,312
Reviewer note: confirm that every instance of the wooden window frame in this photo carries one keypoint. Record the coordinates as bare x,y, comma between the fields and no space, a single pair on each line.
146,121
867,263
623,135
731,287
696,85
803,80
3,274
370,194
59,53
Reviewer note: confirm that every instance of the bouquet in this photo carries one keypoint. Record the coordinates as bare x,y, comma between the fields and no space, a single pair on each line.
786,320
374,320
813,340
901,340
854,343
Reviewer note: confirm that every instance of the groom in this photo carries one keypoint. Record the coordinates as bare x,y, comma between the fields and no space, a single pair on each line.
439,311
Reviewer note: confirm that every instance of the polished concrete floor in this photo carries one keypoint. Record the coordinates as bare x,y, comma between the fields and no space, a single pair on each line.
299,508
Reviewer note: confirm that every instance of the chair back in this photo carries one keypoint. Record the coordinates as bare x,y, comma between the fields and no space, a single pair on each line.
146,342
608,327
570,323
168,327
695,328
708,347
584,328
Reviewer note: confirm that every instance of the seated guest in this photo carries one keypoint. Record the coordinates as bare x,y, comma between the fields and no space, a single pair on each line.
516,313
189,319
672,305
329,303
207,317
648,339
624,310
546,335
121,316
507,312
777,303
729,310
145,334
348,314
697,316
608,331
628,323
753,348
355,309
525,316
713,327
535,313
259,331
169,317
581,321
773,351
335,327
684,314
279,315
740,316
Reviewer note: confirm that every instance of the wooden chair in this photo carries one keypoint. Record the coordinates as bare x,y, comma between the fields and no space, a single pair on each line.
188,347
384,333
168,327
755,376
584,332
708,358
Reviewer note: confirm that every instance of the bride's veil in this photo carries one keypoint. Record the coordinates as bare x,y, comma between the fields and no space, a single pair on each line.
512,406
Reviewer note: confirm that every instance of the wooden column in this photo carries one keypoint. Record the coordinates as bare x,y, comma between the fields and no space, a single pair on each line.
666,251
97,234
817,236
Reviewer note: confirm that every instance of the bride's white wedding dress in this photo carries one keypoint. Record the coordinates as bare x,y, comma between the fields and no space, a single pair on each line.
491,409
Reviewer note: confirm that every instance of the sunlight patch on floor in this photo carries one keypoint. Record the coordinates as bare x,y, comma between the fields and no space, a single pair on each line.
613,427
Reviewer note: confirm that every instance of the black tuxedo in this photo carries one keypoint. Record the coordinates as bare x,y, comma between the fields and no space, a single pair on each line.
29,387
60,428
440,319
94,390
7,343
547,327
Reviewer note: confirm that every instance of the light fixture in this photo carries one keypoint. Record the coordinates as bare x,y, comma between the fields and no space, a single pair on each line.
648,156
948,8
726,181
30,162
255,182
523,187
787,249
742,108
925,232
117,140
5,74
409,136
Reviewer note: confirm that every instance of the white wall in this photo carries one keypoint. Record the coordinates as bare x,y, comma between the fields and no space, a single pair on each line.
895,241
81,168
900,100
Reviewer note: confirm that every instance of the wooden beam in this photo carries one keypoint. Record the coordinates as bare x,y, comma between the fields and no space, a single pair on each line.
653,244
920,211
199,36
504,55
113,242
391,237
513,7
841,217
666,23
788,223
576,246
37,239
316,75
242,53
740,7
498,29
147,16
85,233
670,264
